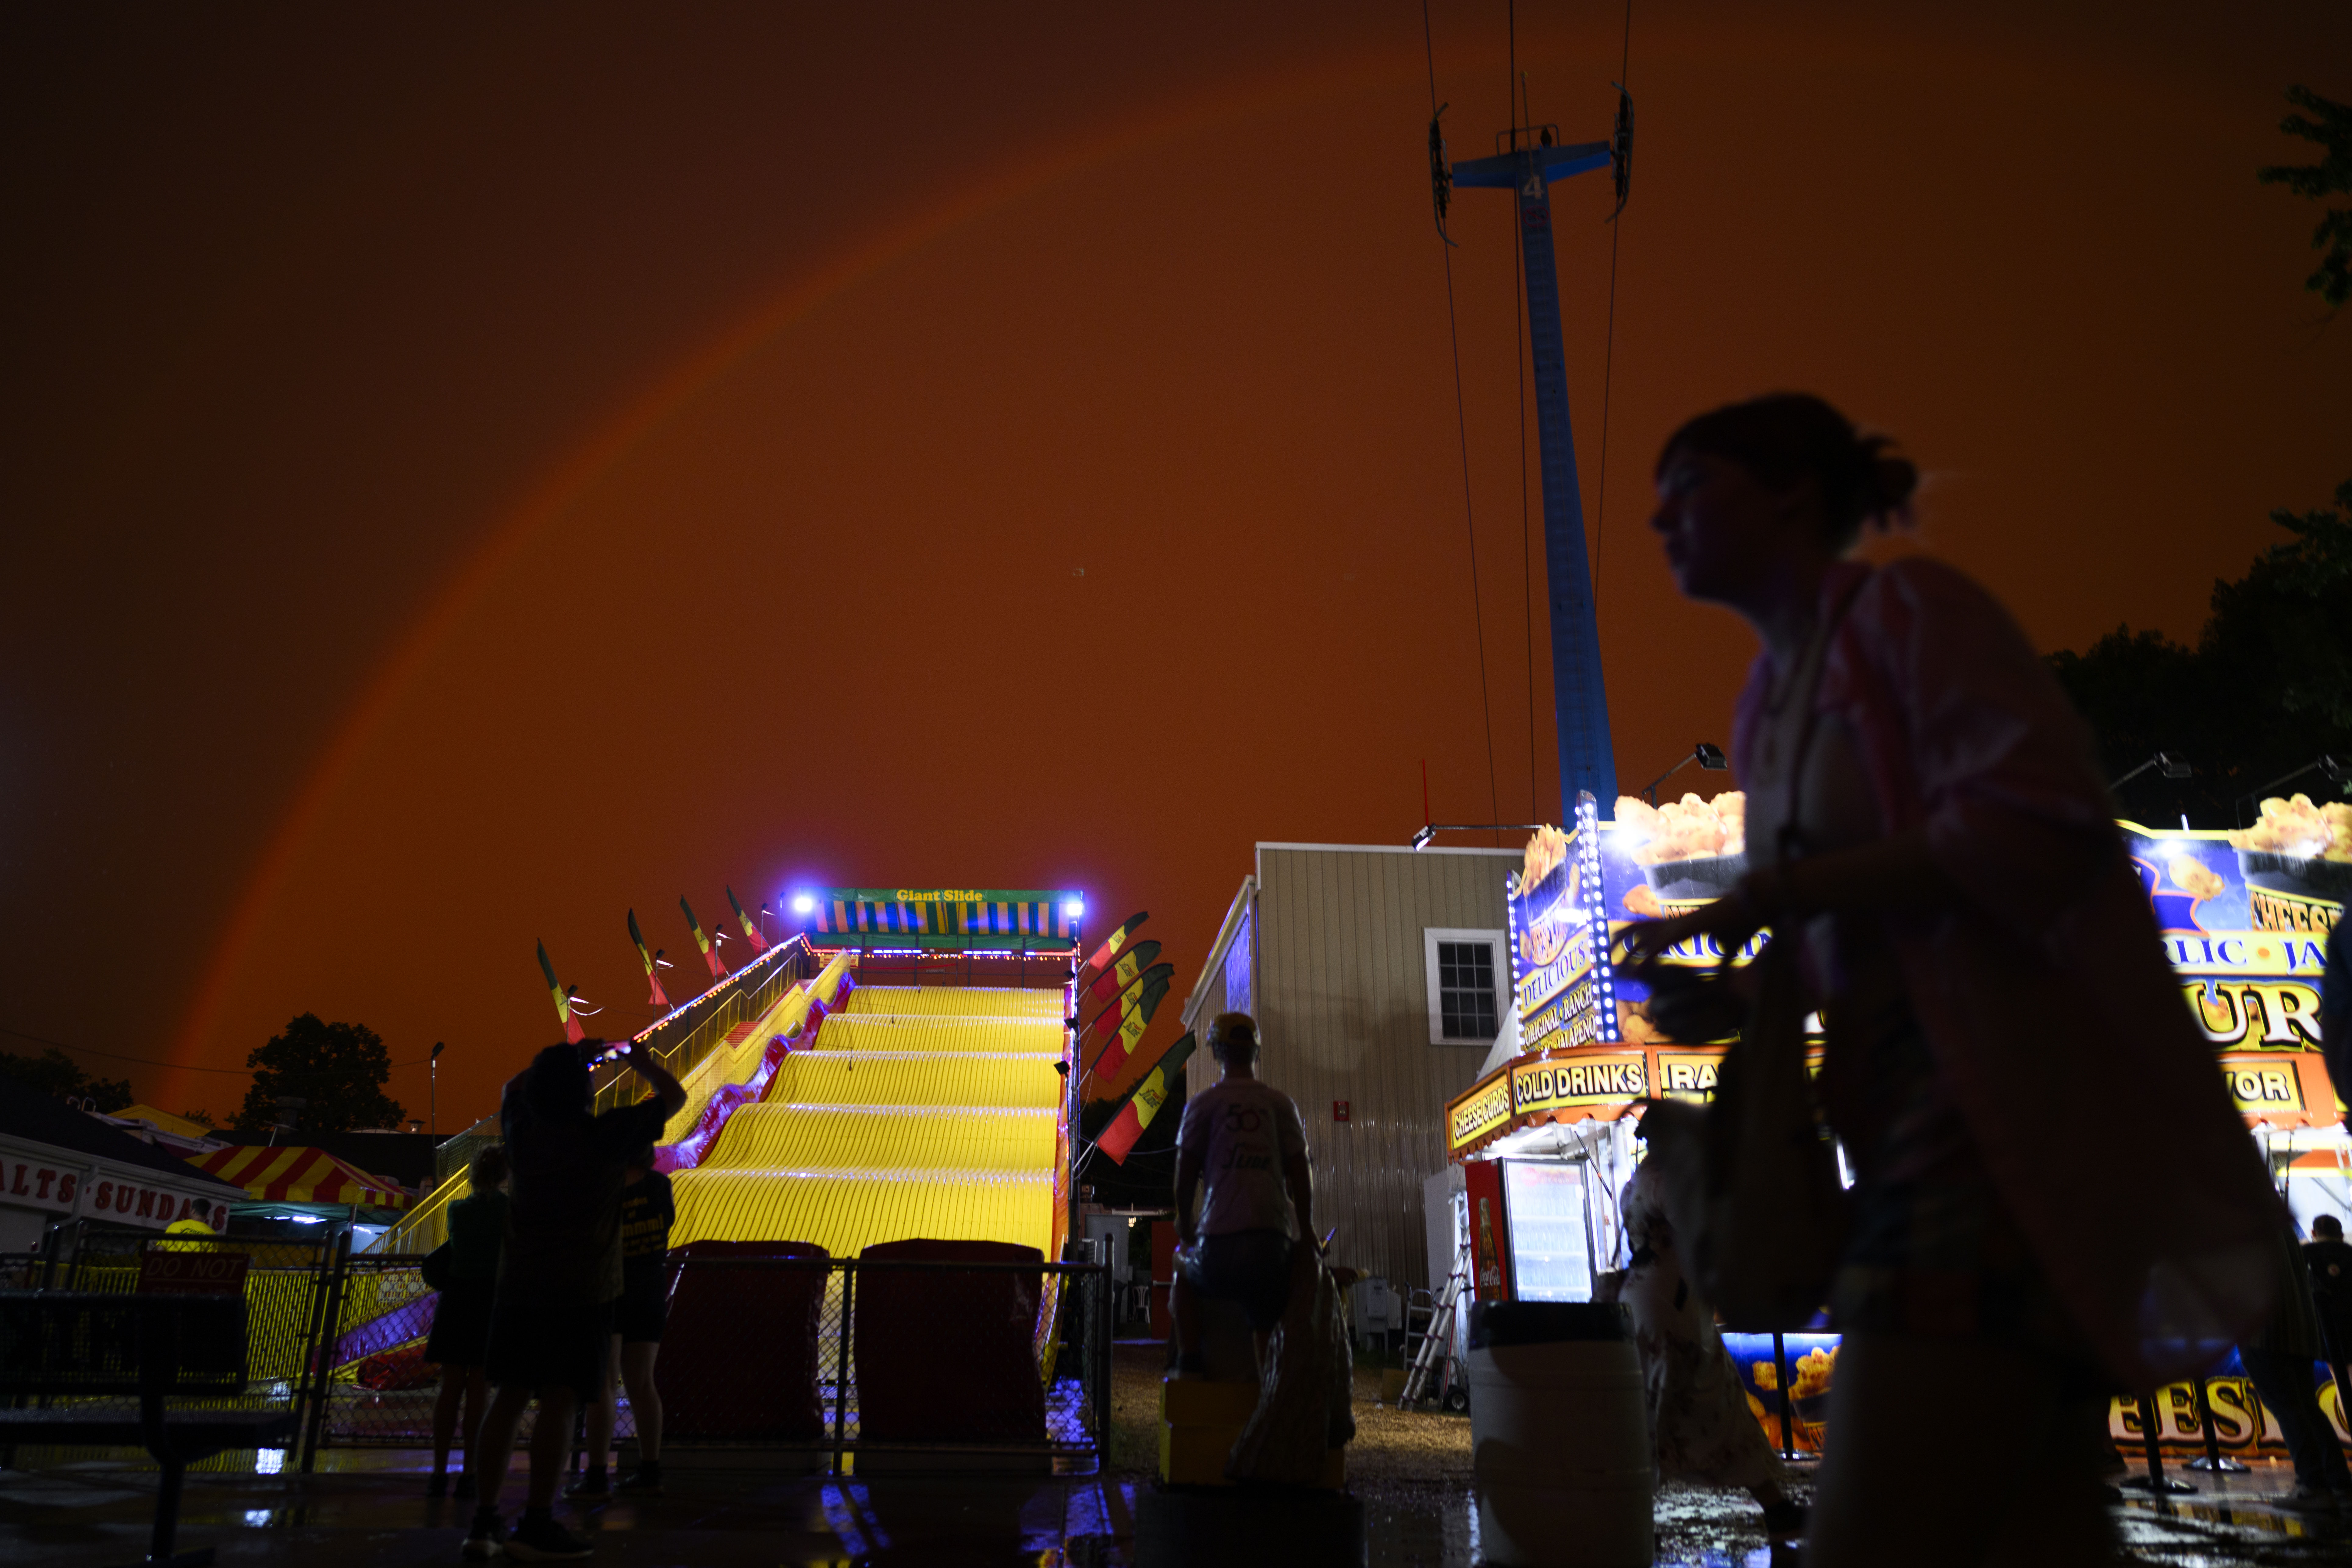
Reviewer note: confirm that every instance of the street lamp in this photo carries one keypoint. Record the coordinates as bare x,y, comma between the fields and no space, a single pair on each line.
282,1115
1707,755
433,1075
2172,767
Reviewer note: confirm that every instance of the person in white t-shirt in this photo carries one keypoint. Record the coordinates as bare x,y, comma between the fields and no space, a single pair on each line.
1245,1138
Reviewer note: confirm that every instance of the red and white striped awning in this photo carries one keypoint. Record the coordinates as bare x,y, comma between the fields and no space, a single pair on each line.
299,1175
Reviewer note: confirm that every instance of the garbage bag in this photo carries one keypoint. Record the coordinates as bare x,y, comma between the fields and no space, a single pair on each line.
1305,1386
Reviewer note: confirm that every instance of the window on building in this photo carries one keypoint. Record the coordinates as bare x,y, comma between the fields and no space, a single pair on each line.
1465,985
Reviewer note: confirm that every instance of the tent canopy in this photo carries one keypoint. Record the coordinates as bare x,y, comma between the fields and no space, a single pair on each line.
298,1174
163,1121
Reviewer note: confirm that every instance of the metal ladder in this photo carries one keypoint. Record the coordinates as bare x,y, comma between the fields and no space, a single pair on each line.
1435,1352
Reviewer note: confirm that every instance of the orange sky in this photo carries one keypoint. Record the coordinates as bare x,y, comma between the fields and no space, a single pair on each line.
472,477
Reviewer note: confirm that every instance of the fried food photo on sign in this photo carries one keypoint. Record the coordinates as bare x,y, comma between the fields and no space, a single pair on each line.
2300,829
1685,829
1547,848
2194,877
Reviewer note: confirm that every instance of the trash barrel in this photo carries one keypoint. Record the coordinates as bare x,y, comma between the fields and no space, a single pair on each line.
1560,1436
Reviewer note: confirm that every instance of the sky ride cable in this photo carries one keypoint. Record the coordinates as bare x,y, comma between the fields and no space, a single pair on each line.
1461,428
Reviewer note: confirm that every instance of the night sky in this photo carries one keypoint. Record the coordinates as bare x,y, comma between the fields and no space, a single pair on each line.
466,473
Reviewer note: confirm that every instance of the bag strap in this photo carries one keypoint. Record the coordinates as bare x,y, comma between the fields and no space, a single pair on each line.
1788,840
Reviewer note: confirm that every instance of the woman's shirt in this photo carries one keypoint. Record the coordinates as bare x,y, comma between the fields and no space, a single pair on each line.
477,1228
648,1209
1809,793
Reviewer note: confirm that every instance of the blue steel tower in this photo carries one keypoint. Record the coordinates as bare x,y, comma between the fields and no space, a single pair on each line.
1579,698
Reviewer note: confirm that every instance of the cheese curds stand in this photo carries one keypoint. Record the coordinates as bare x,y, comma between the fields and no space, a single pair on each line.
1545,1135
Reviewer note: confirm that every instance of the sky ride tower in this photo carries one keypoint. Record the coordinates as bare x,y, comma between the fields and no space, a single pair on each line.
1530,159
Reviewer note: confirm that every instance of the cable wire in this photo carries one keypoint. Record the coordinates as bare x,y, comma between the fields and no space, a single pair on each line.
1609,354
1462,430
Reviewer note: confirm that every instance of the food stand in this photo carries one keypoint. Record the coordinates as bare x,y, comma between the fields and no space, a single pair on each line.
2244,916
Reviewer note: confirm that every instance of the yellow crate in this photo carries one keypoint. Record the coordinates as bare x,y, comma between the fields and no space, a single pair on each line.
1200,1423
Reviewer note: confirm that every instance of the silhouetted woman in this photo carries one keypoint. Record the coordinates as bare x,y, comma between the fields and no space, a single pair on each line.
1926,816
461,1321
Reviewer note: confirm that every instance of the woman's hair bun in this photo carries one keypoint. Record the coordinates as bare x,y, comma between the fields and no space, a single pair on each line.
1886,483
1787,437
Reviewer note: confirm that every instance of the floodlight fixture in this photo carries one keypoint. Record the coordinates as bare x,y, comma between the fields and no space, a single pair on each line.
1706,754
2165,762
1421,839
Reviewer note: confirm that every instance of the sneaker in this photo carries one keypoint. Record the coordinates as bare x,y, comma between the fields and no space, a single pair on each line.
593,1482
537,1538
482,1538
645,1478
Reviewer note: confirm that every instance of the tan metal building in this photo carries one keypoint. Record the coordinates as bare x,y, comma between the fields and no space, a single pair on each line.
1380,976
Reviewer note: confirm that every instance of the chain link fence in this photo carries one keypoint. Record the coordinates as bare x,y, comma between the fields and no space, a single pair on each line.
845,1355
286,1287
823,1355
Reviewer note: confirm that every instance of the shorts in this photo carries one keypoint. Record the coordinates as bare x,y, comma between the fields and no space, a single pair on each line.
541,1345
641,1312
461,1323
1251,1267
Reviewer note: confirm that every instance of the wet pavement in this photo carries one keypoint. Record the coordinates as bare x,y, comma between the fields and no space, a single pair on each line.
370,1508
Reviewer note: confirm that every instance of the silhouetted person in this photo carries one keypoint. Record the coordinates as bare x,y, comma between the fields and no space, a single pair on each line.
648,1211
2278,1362
552,1326
1927,819
2328,1262
1247,1139
1701,1429
461,1318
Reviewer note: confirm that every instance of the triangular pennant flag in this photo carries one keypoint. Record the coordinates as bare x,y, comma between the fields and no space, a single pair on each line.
709,953
1112,1058
572,1030
1119,1138
1114,1015
656,997
750,927
1111,944
1131,964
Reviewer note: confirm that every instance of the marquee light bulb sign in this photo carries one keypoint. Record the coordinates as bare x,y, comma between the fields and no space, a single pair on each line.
1559,939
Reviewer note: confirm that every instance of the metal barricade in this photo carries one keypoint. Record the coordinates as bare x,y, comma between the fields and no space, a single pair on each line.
286,1287
845,1356
377,1388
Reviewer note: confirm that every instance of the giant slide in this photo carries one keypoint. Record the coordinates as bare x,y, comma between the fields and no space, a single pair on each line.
926,1111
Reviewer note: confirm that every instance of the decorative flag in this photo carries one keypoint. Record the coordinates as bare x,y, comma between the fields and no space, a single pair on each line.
1111,944
709,953
1144,1104
750,927
650,960
572,1030
1134,1020
1106,1022
1132,962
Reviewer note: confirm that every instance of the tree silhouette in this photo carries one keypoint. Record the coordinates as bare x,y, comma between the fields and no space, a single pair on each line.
54,1072
2329,124
338,1070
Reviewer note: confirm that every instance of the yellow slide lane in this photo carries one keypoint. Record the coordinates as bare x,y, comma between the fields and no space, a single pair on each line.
923,1112
734,1062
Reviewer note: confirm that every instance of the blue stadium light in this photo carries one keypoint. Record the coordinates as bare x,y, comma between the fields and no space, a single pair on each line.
1075,909
803,903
